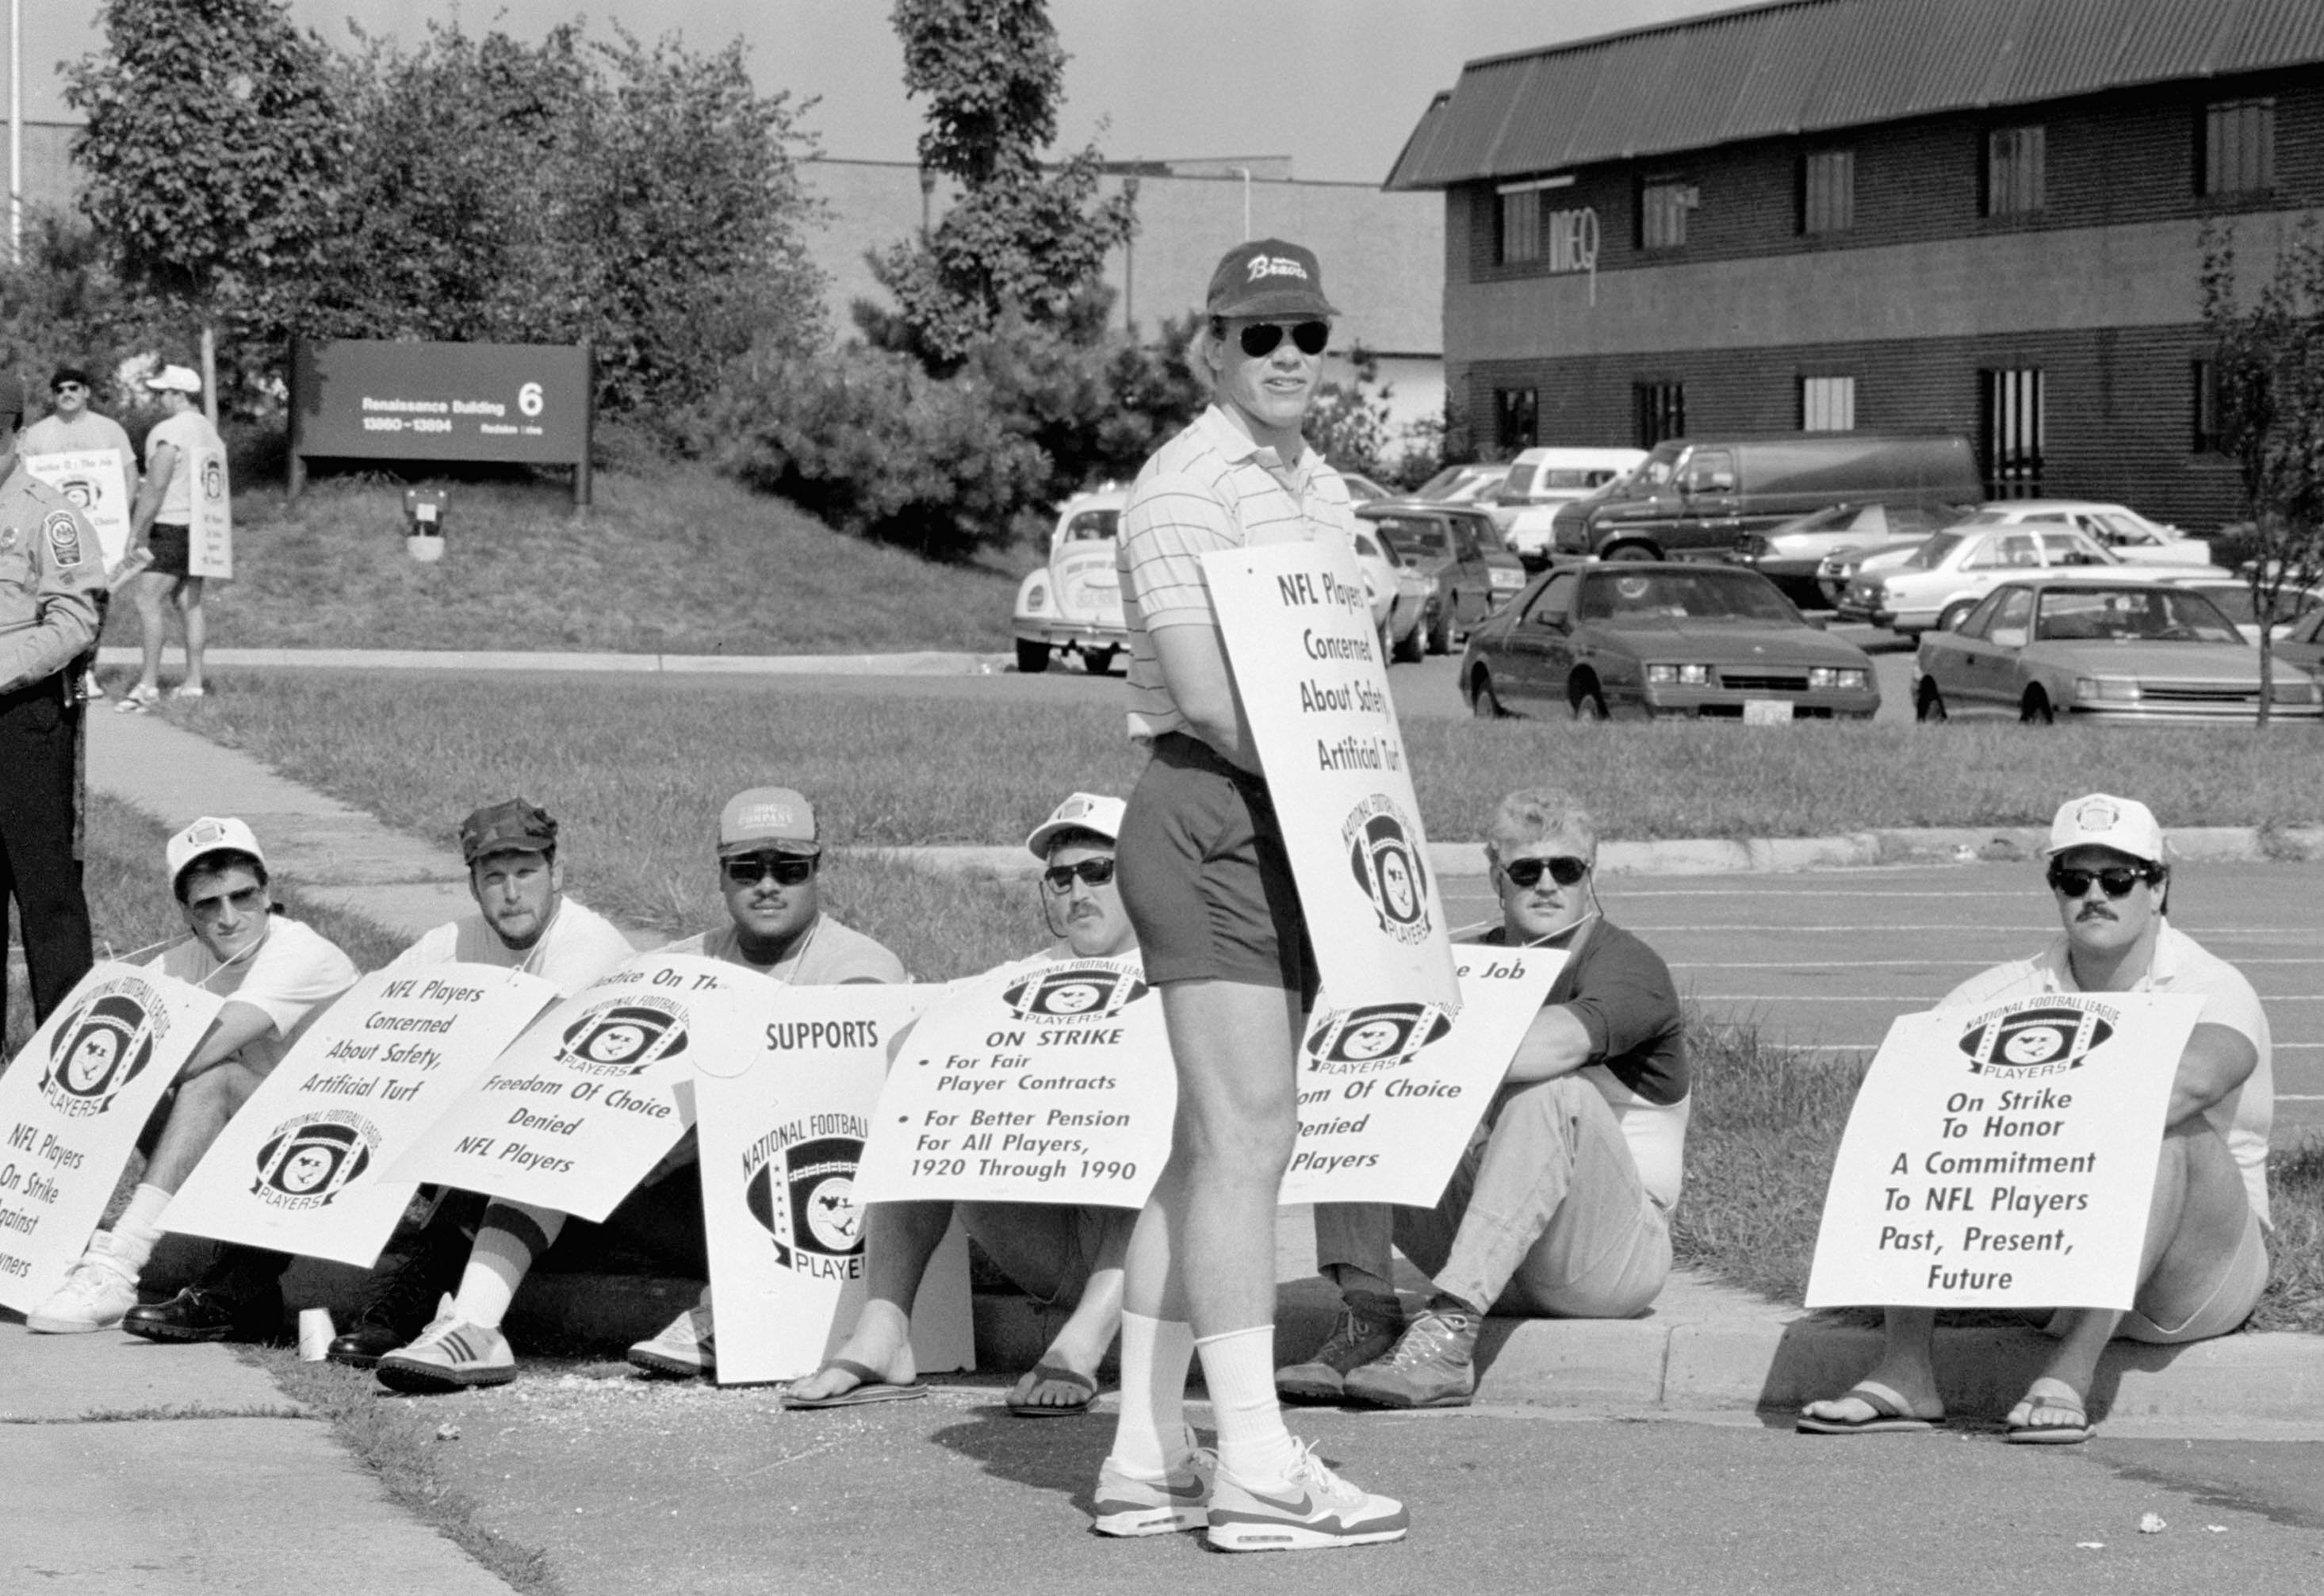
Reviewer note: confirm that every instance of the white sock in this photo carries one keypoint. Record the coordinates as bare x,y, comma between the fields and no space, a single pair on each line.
1239,1368
511,1236
137,1230
1151,1432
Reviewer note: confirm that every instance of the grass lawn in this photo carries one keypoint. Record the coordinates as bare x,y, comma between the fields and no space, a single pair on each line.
682,562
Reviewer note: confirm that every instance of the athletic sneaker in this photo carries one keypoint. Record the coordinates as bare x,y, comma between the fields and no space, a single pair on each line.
449,1356
94,1297
1434,1364
687,1346
1180,1500
1313,1507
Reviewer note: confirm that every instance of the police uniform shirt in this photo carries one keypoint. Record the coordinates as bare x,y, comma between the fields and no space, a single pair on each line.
50,574
579,945
828,955
294,973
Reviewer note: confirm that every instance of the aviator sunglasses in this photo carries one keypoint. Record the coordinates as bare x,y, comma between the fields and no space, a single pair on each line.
1260,337
747,871
1565,870
1094,873
2118,882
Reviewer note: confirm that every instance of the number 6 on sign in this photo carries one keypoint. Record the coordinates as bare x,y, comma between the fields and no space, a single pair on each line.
528,399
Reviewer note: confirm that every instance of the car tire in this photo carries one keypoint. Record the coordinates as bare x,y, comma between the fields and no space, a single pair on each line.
1032,659
1097,661
1407,649
1483,703
1951,617
1589,702
1439,636
2036,711
1931,703
1638,551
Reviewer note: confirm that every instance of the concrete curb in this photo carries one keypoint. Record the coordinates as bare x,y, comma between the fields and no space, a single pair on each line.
925,663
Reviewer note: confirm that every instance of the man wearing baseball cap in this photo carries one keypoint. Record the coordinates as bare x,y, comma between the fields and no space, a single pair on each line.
275,975
1053,1252
1207,880
2205,1260
162,522
770,861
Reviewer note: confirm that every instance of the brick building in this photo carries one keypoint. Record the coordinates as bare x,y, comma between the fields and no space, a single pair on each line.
1981,217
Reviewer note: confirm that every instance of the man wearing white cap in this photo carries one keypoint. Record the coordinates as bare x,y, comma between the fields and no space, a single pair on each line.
770,860
2205,1260
275,975
1052,1252
163,520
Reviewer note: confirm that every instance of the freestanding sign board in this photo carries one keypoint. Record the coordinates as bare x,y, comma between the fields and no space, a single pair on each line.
363,399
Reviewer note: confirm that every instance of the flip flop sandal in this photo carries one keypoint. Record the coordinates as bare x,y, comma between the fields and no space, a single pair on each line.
1891,1415
871,1386
1045,1372
2059,1398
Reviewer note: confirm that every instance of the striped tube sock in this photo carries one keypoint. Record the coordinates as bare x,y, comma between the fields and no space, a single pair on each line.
512,1235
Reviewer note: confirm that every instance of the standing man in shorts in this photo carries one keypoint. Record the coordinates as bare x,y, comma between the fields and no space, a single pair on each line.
1208,884
163,520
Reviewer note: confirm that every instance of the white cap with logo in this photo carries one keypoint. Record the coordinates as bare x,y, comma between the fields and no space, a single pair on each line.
211,834
1085,811
2101,820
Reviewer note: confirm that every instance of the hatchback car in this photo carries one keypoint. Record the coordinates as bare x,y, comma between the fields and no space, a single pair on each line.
1457,552
1073,604
1664,639
1939,583
2099,648
1793,553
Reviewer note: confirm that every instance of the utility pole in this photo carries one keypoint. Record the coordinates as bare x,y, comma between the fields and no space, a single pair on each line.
16,132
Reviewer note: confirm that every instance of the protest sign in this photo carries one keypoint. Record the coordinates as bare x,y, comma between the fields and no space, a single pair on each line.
1040,1083
300,1167
71,1105
583,1105
783,1124
1299,636
211,534
98,480
2002,1155
1389,1093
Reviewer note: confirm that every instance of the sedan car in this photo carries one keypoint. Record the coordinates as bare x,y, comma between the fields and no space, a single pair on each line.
1073,604
2100,648
1941,581
1791,553
1664,639
1396,598
2233,595
2132,538
1457,554
1463,484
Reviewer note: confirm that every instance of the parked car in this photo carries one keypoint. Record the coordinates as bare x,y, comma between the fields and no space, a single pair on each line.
1540,480
2100,648
1073,604
2130,535
1664,639
1362,489
1939,583
2233,596
1383,581
1463,484
2304,644
1793,554
1694,497
1459,555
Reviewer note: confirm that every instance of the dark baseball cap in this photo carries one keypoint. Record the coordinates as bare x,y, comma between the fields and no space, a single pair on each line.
70,374
12,394
1267,277
516,826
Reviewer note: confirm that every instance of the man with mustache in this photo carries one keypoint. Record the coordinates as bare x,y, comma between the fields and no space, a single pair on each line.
2205,1259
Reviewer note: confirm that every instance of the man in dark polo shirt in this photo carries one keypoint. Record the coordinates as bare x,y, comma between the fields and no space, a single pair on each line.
1559,1208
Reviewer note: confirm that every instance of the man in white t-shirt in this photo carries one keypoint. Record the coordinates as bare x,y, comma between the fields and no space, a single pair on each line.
2204,1264
1055,1252
770,861
275,975
161,521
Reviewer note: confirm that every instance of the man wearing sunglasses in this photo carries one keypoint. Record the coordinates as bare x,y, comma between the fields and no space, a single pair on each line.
1560,1207
769,861
2204,1263
1055,1254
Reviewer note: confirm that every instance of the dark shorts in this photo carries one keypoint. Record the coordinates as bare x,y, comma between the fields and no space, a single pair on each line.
1206,877
172,547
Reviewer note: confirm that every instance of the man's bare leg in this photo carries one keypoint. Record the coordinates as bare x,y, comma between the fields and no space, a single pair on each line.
189,600
898,1241
151,594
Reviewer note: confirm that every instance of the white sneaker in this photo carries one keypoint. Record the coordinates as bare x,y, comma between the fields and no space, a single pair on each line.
1129,1506
448,1356
687,1346
99,1290
91,688
1311,1507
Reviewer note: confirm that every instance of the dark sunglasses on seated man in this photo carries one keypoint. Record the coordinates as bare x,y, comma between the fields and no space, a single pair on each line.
2118,879
788,869
1095,872
1260,337
1565,870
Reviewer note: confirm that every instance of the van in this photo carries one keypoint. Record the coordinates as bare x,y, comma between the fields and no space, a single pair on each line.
1692,498
1539,481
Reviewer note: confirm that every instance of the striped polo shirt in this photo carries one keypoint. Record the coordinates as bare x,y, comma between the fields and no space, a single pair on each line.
1209,487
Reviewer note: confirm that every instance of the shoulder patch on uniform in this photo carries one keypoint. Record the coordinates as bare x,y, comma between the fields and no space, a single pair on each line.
64,537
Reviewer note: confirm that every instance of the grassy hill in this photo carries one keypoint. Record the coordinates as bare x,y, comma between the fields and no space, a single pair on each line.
682,562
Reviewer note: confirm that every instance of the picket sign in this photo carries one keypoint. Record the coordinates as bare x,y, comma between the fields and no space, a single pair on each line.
98,482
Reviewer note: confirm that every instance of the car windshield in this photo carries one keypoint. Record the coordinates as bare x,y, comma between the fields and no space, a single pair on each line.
1682,595
1413,539
1931,554
1093,526
2132,614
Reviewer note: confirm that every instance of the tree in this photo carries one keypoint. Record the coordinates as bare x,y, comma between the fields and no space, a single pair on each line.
2268,376
1020,240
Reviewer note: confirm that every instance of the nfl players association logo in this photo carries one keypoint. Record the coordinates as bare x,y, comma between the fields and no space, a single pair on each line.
1082,990
214,479
623,1035
102,1045
1374,1037
1387,862
801,1189
308,1160
2035,1037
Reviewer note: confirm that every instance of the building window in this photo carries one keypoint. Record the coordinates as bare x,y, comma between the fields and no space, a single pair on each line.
1827,191
1517,418
1827,404
2239,147
1520,227
1662,412
2009,428
2013,171
1662,205
2206,375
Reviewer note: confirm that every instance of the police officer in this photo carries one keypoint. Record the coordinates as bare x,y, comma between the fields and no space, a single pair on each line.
52,574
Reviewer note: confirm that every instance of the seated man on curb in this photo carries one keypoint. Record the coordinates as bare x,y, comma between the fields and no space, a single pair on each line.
2204,1263
768,861
275,975
1052,1252
1559,1208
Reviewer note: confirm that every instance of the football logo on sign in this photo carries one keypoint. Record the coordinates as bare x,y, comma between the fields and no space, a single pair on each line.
214,479
101,1046
2042,1039
623,1038
1375,1037
804,1196
1387,863
307,1161
1077,992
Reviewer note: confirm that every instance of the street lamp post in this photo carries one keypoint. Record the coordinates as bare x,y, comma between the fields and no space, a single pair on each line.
1129,261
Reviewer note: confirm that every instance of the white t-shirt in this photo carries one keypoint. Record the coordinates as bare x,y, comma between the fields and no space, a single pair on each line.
828,955
2244,1117
186,431
579,945
293,974
86,433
